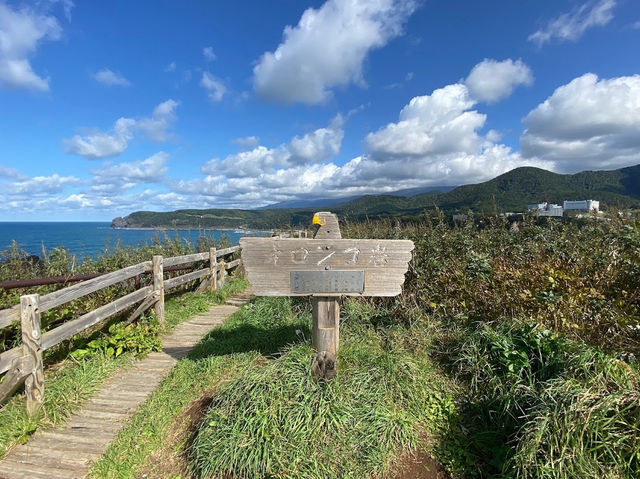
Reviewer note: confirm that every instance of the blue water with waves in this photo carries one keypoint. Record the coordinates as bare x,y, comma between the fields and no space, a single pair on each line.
88,239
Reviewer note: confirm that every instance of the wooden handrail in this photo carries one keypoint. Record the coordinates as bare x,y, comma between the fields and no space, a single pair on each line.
65,295
14,360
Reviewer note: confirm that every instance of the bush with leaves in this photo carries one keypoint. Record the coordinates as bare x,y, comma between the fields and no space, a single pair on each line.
137,338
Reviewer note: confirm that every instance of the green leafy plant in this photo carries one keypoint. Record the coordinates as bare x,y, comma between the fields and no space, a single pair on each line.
138,338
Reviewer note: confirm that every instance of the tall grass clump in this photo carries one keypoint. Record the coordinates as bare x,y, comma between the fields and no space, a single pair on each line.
276,421
539,322
542,406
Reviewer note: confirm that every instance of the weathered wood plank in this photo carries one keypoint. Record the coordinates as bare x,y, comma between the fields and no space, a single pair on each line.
269,262
33,471
32,347
326,310
185,278
90,451
270,282
71,328
79,290
188,258
9,316
226,251
65,295
56,461
326,315
233,264
146,304
78,437
158,289
76,291
8,357
213,269
206,282
19,370
338,253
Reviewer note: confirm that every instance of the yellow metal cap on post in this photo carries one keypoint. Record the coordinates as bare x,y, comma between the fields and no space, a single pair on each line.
318,221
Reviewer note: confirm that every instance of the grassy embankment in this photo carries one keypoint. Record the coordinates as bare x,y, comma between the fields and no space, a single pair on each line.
78,367
511,353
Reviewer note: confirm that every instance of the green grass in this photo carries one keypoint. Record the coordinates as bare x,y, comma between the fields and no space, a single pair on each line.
69,383
542,406
268,418
232,349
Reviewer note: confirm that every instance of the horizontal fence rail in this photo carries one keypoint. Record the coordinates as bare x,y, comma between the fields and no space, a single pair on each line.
27,283
24,363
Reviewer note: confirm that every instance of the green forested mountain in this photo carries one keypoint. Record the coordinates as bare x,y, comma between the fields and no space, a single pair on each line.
511,191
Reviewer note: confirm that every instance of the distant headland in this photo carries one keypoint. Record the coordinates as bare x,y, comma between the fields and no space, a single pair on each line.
511,191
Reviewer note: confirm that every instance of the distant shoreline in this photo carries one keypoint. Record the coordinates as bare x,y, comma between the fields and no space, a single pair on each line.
165,228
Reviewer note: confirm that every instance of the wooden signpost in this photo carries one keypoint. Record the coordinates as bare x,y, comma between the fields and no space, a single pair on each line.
325,267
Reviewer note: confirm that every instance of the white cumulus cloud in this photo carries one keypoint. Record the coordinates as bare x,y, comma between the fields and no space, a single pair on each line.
492,80
436,141
247,142
587,123
156,127
215,87
110,78
41,185
327,48
100,144
431,124
572,25
128,175
315,147
21,30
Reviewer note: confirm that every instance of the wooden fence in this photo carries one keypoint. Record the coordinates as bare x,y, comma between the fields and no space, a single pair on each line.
23,364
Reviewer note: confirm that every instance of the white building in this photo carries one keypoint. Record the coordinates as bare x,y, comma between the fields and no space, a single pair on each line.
537,206
545,209
582,205
551,210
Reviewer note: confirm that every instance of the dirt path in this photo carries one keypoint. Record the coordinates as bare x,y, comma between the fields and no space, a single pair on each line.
68,452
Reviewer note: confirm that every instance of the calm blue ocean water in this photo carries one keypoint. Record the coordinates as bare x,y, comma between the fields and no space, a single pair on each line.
89,239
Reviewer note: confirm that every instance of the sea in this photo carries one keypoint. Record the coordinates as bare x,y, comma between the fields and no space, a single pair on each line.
89,239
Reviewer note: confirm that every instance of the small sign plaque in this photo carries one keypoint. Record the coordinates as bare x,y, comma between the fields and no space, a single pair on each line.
318,282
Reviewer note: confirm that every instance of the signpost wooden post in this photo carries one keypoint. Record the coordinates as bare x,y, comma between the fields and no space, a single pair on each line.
325,267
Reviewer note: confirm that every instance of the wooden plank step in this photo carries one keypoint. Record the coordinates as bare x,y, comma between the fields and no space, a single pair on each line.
236,302
80,421
10,470
66,462
74,436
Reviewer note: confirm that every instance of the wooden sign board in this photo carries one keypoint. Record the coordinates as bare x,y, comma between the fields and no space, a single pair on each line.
325,267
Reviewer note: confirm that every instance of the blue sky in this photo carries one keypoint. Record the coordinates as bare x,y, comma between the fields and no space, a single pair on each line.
112,107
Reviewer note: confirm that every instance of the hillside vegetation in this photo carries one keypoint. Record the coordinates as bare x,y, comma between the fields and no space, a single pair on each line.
511,191
512,353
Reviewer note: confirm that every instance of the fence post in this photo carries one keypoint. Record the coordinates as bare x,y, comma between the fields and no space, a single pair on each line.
213,269
158,289
32,347
222,273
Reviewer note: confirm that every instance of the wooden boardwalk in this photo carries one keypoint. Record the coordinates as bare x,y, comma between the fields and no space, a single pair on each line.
68,452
